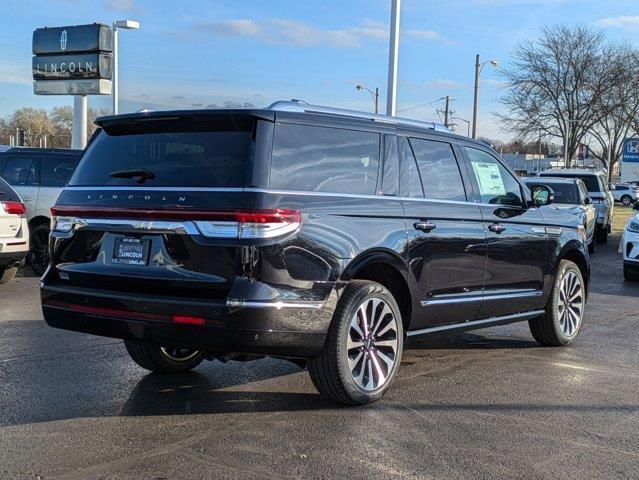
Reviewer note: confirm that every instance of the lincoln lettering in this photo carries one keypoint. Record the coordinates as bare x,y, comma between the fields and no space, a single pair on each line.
63,67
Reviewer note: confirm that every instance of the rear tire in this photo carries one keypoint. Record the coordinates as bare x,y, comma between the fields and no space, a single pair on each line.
363,349
601,235
629,274
562,321
163,359
7,274
626,200
39,251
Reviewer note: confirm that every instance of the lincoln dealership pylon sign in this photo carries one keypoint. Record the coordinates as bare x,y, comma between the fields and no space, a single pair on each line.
73,60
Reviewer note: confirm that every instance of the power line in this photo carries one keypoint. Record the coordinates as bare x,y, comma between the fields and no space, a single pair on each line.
421,105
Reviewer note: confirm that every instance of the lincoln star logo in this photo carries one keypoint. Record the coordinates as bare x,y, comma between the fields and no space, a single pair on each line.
63,40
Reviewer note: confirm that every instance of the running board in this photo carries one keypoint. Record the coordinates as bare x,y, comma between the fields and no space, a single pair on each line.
476,324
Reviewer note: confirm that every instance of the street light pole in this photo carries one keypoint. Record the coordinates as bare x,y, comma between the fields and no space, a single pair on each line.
467,124
115,87
478,68
393,51
374,94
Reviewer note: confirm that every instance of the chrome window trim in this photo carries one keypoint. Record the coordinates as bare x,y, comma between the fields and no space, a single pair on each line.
277,305
477,323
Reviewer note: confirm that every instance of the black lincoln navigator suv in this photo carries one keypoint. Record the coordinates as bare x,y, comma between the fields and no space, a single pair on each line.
314,234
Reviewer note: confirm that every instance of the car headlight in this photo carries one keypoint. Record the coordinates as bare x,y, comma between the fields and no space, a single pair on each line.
633,226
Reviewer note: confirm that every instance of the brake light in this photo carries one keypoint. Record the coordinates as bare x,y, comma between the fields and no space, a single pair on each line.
188,320
246,224
14,208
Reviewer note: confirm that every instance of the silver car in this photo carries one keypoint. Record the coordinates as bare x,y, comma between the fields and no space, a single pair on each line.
599,193
625,193
572,197
14,232
38,175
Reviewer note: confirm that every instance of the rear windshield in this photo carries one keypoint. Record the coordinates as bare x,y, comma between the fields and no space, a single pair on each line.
591,181
172,153
565,193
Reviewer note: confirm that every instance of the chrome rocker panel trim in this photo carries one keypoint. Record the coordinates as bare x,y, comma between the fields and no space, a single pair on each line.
477,324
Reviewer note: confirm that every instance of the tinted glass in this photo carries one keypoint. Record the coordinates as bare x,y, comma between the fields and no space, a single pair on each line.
20,171
56,171
496,184
439,171
411,184
7,193
565,193
324,159
390,182
591,181
180,153
621,187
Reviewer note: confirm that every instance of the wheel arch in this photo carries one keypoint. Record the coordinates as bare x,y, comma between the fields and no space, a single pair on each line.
39,220
574,252
387,268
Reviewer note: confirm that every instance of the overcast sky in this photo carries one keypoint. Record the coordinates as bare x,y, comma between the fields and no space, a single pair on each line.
209,51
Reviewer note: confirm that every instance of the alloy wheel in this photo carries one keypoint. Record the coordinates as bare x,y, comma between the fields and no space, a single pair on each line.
179,354
570,303
372,344
39,251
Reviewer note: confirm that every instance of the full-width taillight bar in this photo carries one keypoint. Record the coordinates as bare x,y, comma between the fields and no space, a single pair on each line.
211,223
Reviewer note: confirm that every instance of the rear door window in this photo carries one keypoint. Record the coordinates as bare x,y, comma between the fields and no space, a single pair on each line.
410,181
55,171
21,171
323,159
390,180
181,152
439,170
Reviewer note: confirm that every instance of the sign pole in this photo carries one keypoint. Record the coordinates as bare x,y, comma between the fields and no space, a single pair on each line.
79,134
115,85
393,52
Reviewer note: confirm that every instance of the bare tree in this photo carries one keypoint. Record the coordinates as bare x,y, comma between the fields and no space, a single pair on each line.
615,124
555,85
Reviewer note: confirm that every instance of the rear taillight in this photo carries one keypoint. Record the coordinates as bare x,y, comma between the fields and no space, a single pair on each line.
210,223
14,208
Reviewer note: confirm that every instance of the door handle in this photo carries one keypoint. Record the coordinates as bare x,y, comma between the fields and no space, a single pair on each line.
497,228
424,226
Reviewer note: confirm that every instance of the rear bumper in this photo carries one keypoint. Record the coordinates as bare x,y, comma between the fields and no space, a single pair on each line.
12,257
295,329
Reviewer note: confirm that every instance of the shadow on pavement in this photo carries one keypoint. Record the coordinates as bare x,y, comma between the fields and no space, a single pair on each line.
194,393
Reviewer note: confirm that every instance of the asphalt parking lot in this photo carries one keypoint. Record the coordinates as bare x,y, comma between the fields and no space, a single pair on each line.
486,404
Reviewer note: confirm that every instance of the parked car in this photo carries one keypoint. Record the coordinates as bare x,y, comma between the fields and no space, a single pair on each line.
626,194
38,175
571,195
315,234
630,247
14,232
598,191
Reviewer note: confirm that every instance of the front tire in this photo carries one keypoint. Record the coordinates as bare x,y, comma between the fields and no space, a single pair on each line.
162,359
364,346
562,321
7,274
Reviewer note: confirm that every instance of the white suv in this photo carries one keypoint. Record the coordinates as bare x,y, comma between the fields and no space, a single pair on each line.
14,232
38,175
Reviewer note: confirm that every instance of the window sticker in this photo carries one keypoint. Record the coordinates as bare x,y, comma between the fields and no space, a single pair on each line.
489,179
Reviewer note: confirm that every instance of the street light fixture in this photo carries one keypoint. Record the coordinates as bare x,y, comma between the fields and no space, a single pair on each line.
467,123
478,68
126,25
374,94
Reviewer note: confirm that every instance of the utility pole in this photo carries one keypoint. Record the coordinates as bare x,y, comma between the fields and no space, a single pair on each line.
446,111
393,52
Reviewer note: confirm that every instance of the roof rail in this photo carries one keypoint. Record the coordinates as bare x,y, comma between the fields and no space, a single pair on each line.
303,107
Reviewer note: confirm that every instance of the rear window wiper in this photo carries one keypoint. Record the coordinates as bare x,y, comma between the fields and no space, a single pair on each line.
141,174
